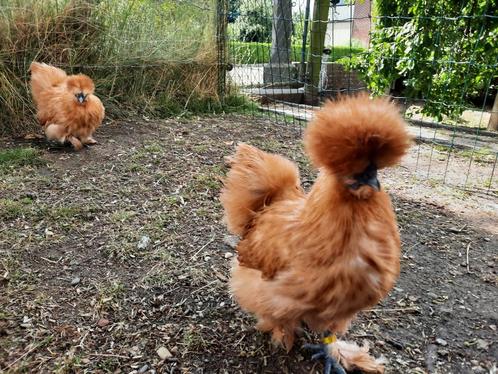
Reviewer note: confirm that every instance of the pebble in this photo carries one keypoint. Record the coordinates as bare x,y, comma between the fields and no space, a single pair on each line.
441,342
75,281
228,255
103,322
164,353
143,243
482,344
143,369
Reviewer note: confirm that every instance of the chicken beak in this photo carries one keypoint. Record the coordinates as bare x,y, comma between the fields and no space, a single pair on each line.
367,178
81,97
374,183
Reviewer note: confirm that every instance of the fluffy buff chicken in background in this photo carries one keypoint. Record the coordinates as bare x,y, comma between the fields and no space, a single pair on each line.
66,106
321,257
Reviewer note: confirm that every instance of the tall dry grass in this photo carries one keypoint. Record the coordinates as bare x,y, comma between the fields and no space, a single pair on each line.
145,56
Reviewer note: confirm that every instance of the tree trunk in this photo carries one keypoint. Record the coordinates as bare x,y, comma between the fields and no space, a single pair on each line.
279,72
281,32
317,40
493,120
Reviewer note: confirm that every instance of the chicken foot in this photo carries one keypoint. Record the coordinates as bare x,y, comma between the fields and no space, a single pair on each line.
332,366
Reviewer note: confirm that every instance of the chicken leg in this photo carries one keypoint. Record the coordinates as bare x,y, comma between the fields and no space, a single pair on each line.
322,352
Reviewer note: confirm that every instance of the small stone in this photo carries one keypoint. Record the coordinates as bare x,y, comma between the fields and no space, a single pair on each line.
26,322
75,281
103,322
487,239
143,243
48,233
492,327
207,258
163,353
228,255
482,344
222,304
432,295
143,369
442,342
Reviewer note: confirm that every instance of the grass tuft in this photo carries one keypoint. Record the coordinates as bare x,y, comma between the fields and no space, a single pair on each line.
18,157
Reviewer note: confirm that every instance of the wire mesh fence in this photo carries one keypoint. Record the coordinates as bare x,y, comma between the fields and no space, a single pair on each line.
439,63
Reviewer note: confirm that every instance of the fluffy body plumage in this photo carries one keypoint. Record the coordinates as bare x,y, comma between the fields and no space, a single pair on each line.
320,257
66,105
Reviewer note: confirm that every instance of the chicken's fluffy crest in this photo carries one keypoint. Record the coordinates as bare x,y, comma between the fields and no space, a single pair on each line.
348,133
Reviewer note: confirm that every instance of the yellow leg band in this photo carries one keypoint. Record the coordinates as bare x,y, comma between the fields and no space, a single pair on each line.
329,339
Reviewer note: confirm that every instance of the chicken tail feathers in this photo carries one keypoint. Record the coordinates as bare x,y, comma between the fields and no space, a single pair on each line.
354,357
256,179
44,76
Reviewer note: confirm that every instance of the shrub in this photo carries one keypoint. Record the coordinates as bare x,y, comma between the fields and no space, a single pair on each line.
443,51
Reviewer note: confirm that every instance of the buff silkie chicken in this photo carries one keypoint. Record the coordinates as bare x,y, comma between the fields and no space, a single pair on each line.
319,258
66,105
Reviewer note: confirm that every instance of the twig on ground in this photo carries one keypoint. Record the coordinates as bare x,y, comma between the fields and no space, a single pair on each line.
206,285
467,258
107,355
51,261
394,309
80,345
204,246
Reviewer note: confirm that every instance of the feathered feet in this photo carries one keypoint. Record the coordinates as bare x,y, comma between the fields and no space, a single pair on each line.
281,335
322,352
341,356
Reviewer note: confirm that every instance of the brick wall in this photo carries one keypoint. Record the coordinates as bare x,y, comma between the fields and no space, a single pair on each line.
362,22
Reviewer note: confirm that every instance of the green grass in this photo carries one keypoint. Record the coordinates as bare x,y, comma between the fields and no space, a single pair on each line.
480,155
12,209
259,53
18,157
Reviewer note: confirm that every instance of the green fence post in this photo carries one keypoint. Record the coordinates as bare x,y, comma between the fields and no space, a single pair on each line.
317,40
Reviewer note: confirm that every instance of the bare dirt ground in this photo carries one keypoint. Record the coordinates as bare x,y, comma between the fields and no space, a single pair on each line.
116,252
